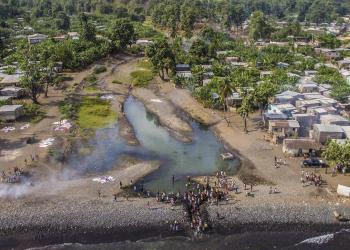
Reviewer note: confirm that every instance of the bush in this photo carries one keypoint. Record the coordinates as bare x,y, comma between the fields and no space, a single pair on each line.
117,81
142,77
91,78
32,112
100,69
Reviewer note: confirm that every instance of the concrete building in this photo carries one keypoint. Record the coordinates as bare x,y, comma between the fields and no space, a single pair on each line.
334,119
36,38
344,64
267,117
10,80
322,133
306,122
73,35
231,59
310,73
182,67
13,91
288,97
284,129
308,87
234,99
143,42
300,146
284,108
6,99
346,130
11,112
303,105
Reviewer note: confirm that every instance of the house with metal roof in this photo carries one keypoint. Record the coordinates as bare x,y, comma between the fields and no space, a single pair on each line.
287,128
11,112
36,38
306,122
300,146
323,133
334,119
288,97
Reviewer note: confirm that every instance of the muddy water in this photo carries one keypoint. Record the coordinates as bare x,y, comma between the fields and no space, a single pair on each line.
201,157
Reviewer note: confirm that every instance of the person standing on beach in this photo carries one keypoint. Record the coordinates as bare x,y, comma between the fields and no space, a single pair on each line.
99,193
173,180
115,197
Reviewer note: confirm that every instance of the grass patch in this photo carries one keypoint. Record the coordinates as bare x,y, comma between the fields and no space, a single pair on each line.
117,81
91,79
100,69
91,89
141,77
95,113
146,64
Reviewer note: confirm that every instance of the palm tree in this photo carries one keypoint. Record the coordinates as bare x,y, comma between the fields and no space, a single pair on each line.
225,89
245,109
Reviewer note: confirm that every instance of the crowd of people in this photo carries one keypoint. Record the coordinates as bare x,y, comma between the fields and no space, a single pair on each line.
15,176
311,178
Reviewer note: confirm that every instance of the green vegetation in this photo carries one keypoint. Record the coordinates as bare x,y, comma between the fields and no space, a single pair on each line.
341,89
141,77
95,113
117,81
144,74
91,79
100,69
329,41
161,56
336,153
32,112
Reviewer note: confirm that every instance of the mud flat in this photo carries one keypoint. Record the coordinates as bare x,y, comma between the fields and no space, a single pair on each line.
166,114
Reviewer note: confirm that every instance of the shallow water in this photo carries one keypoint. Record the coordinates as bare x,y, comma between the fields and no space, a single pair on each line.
250,240
201,157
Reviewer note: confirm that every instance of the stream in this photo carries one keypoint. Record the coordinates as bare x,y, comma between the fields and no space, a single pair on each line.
178,159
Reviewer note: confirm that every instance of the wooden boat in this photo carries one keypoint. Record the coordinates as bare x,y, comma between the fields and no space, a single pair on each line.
226,156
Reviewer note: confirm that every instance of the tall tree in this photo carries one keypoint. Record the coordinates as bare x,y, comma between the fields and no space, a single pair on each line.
161,57
225,89
245,109
48,61
87,29
32,79
122,32
62,21
259,26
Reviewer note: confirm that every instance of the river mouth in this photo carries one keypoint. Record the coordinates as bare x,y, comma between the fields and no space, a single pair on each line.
201,157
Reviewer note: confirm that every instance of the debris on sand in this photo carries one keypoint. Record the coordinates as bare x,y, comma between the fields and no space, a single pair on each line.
7,129
62,125
107,97
46,143
156,100
104,179
25,126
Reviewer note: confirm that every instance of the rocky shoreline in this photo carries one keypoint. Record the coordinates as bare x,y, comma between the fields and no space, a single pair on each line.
102,220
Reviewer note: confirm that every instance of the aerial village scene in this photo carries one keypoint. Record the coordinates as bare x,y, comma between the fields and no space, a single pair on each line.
159,124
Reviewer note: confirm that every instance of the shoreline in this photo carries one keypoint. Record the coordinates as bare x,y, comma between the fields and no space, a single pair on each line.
25,234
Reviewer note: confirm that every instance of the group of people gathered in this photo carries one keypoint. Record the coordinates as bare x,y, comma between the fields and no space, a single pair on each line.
311,178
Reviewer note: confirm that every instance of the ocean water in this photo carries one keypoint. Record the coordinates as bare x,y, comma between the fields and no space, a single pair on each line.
251,240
